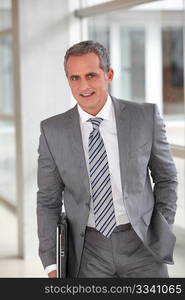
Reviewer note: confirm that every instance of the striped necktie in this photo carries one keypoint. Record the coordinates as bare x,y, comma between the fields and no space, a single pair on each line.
104,214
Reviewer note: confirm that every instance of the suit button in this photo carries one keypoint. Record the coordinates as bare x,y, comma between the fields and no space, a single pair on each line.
82,234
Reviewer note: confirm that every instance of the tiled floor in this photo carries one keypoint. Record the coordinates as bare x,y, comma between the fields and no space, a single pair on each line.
11,266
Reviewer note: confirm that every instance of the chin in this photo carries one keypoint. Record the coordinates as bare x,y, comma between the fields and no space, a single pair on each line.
88,103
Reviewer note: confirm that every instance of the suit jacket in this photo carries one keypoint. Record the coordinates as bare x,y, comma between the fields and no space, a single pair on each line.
63,176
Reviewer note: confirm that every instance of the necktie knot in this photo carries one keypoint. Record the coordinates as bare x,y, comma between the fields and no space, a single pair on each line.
95,122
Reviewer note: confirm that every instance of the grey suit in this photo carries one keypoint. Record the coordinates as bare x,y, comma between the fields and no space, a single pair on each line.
62,175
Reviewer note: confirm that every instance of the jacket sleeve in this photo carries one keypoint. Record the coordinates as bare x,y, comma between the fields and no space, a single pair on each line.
163,170
49,201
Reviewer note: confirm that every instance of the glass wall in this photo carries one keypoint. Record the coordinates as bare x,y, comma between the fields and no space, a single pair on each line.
6,73
7,118
7,161
147,54
173,72
5,14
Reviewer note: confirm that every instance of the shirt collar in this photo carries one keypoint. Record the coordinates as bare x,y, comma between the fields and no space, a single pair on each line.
106,113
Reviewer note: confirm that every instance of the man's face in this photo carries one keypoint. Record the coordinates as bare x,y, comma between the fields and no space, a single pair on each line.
88,82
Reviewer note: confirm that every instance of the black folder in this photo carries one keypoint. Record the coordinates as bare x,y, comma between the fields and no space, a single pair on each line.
62,246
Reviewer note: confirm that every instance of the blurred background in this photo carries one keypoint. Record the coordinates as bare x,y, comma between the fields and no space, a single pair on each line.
146,42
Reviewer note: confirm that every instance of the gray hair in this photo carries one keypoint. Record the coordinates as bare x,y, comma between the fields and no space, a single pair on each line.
89,47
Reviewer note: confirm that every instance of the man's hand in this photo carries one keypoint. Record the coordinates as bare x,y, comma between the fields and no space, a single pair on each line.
52,274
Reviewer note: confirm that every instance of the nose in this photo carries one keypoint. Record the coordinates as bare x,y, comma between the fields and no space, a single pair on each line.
84,85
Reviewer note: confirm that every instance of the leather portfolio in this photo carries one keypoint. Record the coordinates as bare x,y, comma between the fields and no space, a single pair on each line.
62,246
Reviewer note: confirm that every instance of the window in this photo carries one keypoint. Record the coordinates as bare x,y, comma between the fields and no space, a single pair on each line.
6,75
7,114
5,14
173,71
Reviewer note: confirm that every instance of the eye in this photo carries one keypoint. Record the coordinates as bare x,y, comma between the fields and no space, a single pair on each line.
74,78
91,75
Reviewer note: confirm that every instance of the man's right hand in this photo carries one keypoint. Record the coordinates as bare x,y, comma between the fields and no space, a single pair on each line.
52,274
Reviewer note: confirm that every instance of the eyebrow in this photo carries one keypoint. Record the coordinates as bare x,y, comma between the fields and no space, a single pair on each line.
77,76
91,73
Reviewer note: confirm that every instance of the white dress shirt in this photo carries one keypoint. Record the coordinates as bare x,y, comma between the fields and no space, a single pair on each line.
108,132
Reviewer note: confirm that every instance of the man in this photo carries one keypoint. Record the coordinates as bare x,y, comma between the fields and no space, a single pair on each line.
97,158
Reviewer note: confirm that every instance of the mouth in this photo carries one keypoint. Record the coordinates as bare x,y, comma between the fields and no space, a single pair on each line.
87,95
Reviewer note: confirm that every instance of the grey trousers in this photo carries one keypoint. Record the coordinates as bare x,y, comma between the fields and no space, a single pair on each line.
121,255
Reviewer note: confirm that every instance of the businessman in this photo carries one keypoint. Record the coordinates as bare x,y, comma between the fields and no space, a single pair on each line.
108,161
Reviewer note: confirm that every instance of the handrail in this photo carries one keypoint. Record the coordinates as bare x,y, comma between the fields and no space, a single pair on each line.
178,151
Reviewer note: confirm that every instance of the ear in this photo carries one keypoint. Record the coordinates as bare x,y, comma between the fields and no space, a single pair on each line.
110,75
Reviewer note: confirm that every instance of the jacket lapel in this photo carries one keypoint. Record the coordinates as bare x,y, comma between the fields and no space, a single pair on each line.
123,132
74,134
